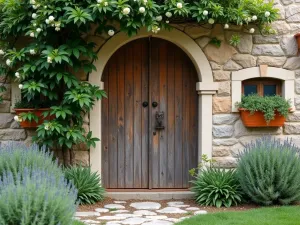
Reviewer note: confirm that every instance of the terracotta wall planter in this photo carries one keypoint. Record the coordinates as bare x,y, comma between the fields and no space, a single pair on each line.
297,36
257,119
38,113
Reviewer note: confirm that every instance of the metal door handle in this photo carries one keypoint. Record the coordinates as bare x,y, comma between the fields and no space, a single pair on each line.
154,104
159,116
145,104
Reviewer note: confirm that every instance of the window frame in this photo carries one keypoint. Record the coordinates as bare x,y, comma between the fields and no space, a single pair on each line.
260,82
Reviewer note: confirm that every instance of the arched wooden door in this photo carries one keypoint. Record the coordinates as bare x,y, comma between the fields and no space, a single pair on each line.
150,118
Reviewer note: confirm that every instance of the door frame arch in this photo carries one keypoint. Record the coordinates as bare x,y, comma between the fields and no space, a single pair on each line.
206,88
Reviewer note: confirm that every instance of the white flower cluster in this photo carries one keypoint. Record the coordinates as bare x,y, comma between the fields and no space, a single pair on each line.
32,51
49,59
126,11
101,1
2,52
17,75
8,62
155,29
34,5
17,118
179,5
21,86
56,24
168,14
142,9
111,32
47,126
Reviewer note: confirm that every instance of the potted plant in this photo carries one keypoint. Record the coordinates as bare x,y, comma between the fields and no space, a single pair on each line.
31,114
263,111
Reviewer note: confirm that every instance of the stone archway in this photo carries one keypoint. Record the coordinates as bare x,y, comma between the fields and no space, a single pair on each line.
205,88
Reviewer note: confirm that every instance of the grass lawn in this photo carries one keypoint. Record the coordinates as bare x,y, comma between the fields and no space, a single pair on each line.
289,215
76,222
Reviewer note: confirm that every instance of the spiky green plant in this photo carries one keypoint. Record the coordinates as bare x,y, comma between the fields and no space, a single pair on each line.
269,172
87,182
216,187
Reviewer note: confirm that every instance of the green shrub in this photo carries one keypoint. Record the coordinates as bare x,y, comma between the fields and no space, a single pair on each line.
76,222
266,104
14,157
88,184
35,197
269,172
216,187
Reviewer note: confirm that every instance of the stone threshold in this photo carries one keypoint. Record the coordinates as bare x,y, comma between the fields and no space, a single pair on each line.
151,195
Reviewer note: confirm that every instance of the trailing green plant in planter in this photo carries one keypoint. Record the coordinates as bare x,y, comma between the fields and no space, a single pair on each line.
215,186
268,105
87,182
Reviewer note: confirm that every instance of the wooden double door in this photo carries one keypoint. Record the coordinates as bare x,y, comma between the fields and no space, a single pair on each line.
150,118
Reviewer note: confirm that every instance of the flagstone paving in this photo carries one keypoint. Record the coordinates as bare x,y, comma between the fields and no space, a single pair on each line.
139,213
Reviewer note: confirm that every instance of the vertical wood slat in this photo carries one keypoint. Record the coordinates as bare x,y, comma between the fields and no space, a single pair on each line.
113,132
154,88
137,115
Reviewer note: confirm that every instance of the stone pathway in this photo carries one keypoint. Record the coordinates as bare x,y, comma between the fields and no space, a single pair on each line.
144,213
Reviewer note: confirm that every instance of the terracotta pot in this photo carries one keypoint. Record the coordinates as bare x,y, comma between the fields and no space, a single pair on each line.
297,36
257,119
38,113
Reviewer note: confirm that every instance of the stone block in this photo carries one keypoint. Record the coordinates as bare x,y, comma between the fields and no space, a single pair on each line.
232,66
203,41
281,27
281,11
292,63
297,86
293,117
224,88
292,128
6,119
225,142
12,134
221,75
269,39
82,158
220,151
6,95
197,31
292,13
289,45
271,61
223,131
225,119
221,105
214,65
267,49
287,2
5,106
246,44
245,60
219,55
225,162
236,150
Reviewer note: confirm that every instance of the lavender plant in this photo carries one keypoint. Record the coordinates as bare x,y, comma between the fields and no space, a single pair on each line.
35,197
14,157
269,172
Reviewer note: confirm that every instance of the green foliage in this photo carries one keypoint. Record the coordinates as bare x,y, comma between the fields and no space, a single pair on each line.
269,172
235,40
216,187
55,48
36,197
76,222
266,104
215,41
15,157
87,182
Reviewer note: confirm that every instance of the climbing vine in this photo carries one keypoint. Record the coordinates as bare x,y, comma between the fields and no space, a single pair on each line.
43,47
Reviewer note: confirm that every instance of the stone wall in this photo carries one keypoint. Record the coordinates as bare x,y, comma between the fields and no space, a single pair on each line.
229,134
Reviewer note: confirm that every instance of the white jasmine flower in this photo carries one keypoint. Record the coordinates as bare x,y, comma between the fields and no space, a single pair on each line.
57,24
49,59
111,32
167,21
105,3
179,5
8,62
17,74
2,52
205,12
38,30
145,1
47,21
16,118
142,9
252,30
21,86
45,7
57,28
34,7
32,2
51,18
267,14
254,18
126,11
32,51
168,14
155,29
31,34
158,18
34,24
99,1
211,21
34,15
52,25
47,127
226,26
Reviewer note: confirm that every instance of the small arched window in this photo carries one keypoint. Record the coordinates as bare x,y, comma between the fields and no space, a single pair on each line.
262,86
